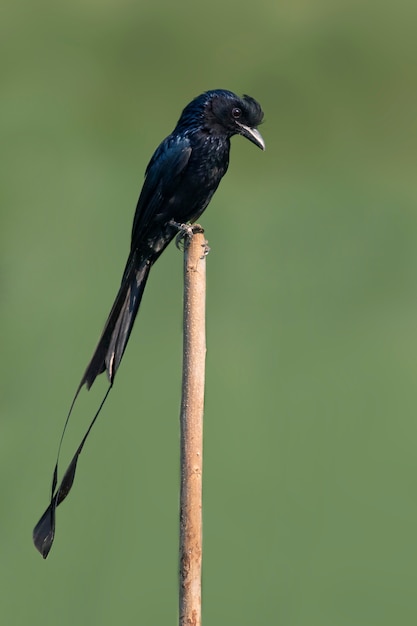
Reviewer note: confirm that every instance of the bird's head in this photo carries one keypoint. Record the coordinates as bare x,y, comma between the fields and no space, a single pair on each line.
236,116
222,112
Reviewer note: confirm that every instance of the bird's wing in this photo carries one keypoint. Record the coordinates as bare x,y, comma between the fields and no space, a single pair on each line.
162,177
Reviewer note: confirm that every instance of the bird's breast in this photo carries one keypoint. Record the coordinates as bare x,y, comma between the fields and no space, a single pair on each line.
210,159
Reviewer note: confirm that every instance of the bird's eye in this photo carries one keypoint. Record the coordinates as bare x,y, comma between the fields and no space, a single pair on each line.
236,113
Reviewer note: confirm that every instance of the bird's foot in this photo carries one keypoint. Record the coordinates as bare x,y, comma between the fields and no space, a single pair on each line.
185,231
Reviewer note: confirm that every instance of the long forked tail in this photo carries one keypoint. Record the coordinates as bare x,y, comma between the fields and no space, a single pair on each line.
106,357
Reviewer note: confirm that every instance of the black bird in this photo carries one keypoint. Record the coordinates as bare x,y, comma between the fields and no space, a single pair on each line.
180,181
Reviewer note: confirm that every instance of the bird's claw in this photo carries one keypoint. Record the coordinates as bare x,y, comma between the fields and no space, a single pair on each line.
206,249
185,231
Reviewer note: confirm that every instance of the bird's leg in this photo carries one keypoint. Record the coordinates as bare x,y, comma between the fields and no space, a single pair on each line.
185,230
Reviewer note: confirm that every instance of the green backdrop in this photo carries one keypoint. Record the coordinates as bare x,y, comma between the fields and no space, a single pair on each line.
310,476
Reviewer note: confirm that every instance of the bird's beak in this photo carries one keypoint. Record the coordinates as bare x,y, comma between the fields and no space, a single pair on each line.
253,135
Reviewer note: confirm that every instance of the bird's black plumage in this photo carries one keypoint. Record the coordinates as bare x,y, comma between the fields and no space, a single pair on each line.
180,180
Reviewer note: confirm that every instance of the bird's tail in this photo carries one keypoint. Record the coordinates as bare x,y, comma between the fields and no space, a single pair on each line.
116,333
106,357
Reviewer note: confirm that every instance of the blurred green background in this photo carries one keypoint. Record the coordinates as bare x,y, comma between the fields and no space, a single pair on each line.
310,426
